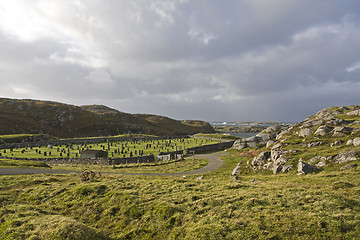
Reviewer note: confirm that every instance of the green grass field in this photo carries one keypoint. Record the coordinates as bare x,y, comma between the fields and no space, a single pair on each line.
256,206
116,149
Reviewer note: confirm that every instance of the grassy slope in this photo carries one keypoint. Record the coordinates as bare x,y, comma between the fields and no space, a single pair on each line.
22,163
164,125
315,206
63,120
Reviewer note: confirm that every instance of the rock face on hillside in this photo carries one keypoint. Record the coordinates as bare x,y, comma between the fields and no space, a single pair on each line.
63,120
331,136
267,136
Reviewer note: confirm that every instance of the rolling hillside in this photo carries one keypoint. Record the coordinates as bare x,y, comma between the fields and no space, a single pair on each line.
64,120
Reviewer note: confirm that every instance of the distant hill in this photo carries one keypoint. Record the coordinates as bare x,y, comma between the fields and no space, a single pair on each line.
64,120
163,125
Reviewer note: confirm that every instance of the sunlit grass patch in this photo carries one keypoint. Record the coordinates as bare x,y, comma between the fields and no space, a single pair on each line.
316,206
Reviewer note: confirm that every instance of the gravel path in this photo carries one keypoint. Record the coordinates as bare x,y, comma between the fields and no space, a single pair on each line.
214,162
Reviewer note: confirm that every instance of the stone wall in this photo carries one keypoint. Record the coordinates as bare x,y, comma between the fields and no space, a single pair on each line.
166,156
137,159
209,148
102,161
89,161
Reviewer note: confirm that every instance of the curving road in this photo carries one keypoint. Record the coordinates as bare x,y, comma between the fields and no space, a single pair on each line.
214,162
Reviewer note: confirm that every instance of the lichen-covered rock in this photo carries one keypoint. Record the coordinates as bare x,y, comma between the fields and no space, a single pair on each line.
264,136
287,168
314,160
322,130
328,113
305,132
276,146
239,145
314,144
320,164
346,157
341,131
269,143
252,139
312,122
337,122
268,166
336,143
236,170
304,167
261,159
356,142
277,168
354,113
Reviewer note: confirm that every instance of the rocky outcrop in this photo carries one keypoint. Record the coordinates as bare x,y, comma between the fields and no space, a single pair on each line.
261,159
333,132
346,157
305,132
236,170
323,130
354,113
263,138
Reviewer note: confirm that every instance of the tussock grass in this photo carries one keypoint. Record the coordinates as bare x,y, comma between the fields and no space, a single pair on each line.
172,166
316,206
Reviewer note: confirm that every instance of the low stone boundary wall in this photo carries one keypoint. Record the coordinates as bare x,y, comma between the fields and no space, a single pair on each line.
166,156
102,161
211,147
138,159
135,159
85,161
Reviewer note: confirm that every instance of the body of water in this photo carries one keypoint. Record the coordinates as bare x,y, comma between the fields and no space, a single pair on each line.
244,135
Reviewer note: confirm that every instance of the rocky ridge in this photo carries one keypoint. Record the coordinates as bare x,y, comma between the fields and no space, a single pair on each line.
329,138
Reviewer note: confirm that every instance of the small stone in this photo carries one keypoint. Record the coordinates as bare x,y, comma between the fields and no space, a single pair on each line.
356,142
200,178
320,164
287,168
336,143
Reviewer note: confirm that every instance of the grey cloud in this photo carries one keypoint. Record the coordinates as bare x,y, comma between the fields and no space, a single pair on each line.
211,60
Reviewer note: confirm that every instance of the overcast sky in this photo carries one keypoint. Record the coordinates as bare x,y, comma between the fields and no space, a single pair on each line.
234,60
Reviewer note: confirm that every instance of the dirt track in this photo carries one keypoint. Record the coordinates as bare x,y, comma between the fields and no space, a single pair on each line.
214,162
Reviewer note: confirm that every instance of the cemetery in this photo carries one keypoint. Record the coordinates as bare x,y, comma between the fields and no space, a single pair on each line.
111,152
